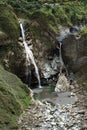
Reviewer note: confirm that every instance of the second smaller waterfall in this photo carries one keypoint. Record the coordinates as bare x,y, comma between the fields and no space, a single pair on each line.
60,57
62,65
29,54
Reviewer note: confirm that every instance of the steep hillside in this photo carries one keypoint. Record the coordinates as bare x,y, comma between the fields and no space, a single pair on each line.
9,28
14,98
14,95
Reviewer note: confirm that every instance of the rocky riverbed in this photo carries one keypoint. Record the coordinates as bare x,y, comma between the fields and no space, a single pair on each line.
60,111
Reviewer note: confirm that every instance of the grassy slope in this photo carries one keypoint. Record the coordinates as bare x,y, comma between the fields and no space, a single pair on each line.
66,13
8,22
14,97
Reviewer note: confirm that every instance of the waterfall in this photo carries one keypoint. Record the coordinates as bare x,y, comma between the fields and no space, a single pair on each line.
60,57
60,54
29,54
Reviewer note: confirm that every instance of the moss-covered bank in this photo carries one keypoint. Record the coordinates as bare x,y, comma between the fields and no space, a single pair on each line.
14,98
8,24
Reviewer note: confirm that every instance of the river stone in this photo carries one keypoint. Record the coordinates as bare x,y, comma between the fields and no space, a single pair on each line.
20,39
81,112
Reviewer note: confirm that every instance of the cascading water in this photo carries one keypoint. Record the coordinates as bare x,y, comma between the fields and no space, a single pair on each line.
60,57
29,54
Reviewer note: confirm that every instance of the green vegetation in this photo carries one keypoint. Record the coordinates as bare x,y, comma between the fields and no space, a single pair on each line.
47,21
83,32
65,12
14,97
76,12
8,22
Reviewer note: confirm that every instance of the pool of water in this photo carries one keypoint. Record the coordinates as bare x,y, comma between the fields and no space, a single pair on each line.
47,93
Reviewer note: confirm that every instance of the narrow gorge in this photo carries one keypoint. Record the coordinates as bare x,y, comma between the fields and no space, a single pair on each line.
43,65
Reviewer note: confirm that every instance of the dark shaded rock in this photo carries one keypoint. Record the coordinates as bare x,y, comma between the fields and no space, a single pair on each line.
75,54
74,29
81,112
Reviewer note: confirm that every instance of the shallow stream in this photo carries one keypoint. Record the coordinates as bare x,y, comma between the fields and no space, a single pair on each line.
56,111
60,113
48,94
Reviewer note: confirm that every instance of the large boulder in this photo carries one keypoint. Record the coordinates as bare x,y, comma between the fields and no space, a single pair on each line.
62,84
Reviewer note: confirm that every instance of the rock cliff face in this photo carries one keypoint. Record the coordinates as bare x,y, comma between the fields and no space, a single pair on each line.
75,54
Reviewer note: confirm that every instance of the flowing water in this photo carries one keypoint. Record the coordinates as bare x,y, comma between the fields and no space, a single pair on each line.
48,94
62,65
60,57
29,54
56,111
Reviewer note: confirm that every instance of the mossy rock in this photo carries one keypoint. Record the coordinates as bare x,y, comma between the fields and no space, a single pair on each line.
2,35
8,22
14,98
83,32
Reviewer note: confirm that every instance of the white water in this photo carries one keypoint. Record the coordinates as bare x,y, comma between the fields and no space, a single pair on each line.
64,32
60,54
29,55
60,57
